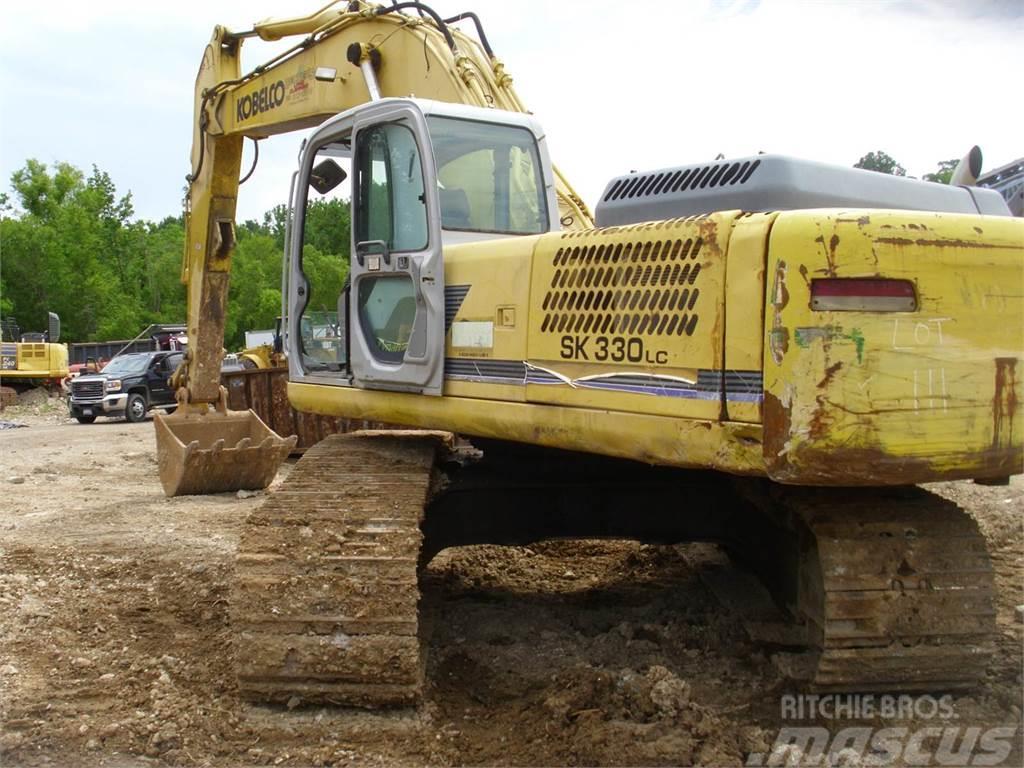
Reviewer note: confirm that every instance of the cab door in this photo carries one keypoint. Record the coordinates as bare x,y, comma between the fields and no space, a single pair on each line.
396,294
373,316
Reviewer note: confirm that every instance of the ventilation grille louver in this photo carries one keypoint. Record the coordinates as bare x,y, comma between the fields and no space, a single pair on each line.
683,179
635,288
454,295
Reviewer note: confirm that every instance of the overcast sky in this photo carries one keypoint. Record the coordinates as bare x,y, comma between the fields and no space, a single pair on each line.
618,85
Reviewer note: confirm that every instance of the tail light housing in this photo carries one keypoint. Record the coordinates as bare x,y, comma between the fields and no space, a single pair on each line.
863,294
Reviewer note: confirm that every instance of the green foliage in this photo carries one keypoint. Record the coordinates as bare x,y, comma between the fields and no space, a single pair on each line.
41,193
326,273
327,226
881,162
254,298
944,172
69,244
73,249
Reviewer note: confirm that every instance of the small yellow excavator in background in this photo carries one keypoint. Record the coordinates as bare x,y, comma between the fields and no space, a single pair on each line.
822,338
30,359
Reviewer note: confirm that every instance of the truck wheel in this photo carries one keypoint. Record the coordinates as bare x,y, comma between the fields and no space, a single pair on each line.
85,419
136,409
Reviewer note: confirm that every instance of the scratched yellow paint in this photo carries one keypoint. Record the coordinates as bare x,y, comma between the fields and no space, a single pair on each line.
645,300
497,278
881,398
744,304
520,275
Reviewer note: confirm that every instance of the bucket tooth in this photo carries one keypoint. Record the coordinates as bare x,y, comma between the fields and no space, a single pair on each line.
194,458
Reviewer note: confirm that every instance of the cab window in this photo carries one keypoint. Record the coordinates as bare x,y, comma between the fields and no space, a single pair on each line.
326,238
392,204
489,177
391,209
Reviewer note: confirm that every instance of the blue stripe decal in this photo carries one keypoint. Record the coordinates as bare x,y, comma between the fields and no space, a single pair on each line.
740,386
689,394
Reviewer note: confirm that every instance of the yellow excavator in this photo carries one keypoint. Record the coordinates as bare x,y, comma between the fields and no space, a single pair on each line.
32,359
821,338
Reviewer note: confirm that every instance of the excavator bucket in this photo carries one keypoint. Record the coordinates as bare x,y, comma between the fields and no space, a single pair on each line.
217,451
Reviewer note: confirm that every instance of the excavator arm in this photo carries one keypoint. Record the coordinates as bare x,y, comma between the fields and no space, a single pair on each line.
347,54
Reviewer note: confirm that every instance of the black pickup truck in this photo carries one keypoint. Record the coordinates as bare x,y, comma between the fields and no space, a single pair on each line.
128,386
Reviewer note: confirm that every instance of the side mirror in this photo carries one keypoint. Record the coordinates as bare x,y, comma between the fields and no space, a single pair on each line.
326,175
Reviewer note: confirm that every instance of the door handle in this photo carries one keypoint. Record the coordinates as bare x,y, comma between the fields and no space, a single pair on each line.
362,246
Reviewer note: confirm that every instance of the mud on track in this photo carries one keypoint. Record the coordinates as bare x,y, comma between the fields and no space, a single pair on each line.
115,647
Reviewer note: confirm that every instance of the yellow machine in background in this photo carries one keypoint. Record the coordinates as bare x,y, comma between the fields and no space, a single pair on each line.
33,358
797,328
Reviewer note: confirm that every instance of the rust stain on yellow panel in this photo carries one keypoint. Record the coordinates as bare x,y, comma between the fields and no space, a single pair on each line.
1004,403
895,397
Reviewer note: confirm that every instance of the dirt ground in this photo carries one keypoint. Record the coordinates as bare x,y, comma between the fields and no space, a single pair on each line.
115,647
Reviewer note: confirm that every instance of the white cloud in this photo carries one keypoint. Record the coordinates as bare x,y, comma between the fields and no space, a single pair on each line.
617,85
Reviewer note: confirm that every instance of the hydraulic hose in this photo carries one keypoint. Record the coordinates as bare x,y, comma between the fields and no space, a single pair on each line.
434,15
479,29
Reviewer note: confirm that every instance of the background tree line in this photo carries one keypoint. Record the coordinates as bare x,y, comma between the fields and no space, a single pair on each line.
69,244
883,163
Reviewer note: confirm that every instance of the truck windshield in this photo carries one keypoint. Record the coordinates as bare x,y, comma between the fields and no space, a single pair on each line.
489,177
126,364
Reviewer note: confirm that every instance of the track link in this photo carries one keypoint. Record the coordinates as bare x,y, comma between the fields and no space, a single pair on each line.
324,602
896,587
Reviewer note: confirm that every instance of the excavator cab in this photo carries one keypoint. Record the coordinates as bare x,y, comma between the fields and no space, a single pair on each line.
422,175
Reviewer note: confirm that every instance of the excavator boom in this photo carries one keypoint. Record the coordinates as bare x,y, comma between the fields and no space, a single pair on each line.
348,55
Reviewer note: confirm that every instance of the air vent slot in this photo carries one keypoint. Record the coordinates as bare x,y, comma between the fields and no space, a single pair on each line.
682,179
641,288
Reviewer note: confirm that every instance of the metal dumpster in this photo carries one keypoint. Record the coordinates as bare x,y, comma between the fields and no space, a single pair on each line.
265,390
